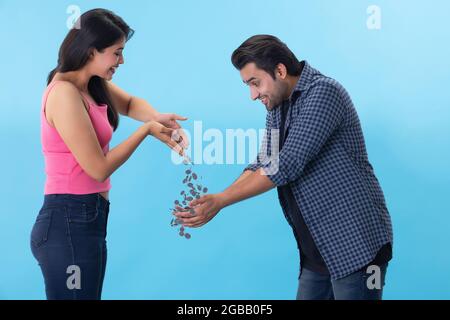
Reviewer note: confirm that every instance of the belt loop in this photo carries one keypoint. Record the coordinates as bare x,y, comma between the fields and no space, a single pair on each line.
97,203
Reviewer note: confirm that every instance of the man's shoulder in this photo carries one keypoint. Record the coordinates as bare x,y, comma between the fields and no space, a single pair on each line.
321,84
321,81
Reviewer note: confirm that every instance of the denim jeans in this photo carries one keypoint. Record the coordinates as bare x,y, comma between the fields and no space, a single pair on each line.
68,240
356,286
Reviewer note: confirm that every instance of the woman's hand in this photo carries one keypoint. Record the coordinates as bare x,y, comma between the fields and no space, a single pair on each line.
169,120
164,135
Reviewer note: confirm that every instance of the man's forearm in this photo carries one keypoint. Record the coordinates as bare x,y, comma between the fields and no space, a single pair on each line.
243,176
139,109
249,184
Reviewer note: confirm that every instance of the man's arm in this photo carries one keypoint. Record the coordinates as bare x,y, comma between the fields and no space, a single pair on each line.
249,185
242,177
320,115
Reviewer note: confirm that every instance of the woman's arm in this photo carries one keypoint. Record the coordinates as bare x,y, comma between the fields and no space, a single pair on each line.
66,111
130,106
139,109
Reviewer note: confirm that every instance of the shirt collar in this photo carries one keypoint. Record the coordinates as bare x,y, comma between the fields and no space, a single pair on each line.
303,83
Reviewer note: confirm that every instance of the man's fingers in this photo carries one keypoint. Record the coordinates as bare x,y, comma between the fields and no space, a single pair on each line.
191,223
199,201
182,214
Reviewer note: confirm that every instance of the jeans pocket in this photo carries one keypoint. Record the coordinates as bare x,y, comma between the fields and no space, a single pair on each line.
84,213
40,231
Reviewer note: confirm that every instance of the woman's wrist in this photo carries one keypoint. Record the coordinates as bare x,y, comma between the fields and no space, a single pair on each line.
149,126
156,116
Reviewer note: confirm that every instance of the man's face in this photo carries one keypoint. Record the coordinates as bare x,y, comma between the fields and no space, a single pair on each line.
270,91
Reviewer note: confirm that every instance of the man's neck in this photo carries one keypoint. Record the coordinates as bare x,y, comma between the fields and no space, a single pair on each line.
293,80
292,83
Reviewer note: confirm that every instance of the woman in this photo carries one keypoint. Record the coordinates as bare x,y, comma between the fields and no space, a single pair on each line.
80,110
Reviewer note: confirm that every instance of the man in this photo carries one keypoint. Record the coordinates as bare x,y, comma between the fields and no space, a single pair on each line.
326,185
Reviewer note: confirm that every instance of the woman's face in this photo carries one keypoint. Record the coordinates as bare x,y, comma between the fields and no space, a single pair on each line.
104,64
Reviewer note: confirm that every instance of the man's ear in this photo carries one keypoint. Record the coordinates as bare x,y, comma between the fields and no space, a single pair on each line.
281,71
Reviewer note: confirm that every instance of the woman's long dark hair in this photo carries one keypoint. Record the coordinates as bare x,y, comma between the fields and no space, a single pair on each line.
99,29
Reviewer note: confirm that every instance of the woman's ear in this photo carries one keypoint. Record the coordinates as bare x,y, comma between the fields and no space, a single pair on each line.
92,53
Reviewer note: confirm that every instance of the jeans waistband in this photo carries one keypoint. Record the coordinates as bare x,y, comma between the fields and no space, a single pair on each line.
88,199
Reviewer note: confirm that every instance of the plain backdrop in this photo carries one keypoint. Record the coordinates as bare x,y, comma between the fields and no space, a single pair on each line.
179,60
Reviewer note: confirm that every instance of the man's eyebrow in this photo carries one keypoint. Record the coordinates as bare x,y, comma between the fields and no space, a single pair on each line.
247,81
121,48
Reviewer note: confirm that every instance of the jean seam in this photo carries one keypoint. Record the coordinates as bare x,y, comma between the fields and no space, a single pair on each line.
69,236
47,230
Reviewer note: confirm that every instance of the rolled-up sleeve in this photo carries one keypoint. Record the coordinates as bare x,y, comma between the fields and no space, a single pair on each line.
264,147
319,116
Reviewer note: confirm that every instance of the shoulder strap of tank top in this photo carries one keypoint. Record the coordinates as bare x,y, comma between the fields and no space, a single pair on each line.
84,98
47,92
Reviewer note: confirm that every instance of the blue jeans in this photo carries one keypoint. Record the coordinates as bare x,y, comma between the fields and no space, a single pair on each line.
68,241
316,286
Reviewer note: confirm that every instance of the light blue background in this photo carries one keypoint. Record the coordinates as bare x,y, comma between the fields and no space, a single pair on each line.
179,59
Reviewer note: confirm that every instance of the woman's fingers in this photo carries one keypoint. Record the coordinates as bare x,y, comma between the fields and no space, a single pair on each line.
168,131
166,135
180,137
178,117
175,147
184,138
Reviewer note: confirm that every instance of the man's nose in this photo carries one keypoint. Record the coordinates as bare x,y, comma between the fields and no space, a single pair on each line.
254,94
121,60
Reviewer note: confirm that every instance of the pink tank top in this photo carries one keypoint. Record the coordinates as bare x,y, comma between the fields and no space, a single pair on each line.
63,173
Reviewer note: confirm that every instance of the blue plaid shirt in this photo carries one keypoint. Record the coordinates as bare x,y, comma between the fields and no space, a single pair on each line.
325,162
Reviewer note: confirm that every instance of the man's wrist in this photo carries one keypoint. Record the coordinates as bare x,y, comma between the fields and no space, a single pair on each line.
224,199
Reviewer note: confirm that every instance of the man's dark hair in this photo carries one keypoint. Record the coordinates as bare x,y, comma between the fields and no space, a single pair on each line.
266,52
